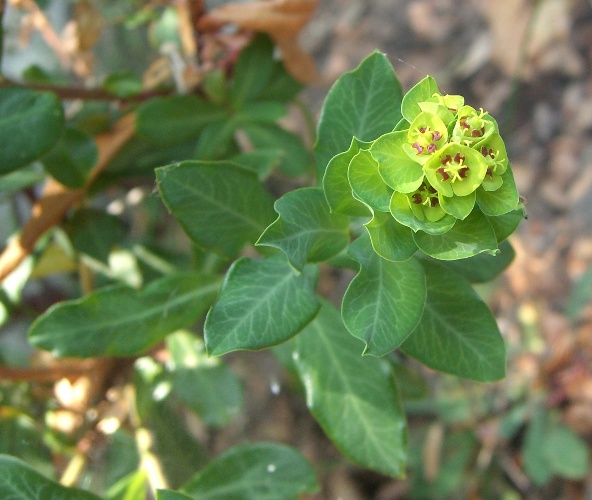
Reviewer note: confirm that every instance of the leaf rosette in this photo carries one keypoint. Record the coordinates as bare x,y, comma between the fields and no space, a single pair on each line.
443,161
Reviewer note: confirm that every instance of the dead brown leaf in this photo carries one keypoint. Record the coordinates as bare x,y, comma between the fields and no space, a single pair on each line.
282,20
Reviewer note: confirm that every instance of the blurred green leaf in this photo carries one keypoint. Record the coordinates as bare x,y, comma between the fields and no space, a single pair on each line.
262,471
262,303
30,125
175,119
20,481
95,233
123,84
131,487
566,453
535,462
262,161
581,295
171,495
204,384
252,71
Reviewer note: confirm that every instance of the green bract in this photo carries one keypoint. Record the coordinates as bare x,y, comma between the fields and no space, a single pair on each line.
443,162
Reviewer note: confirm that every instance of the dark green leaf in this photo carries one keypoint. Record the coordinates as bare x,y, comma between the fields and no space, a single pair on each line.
281,86
30,124
411,382
72,158
262,471
483,267
305,230
266,112
21,179
336,184
205,385
121,321
384,302
364,103
262,303
504,225
252,71
20,481
216,141
353,398
220,205
457,333
295,158
95,232
469,237
175,119
171,495
390,240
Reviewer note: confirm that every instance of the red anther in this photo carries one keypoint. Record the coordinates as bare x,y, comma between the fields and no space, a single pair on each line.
447,159
464,124
463,172
443,173
432,148
484,151
458,157
436,136
489,172
416,198
432,190
422,129
491,155
433,201
476,133
453,110
417,146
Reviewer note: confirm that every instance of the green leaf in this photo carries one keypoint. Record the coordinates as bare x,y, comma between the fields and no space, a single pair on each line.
281,86
220,205
219,396
336,184
216,141
123,84
581,295
364,103
566,453
536,464
411,382
266,111
502,200
30,124
95,232
470,237
252,71
179,452
120,321
263,161
262,471
367,184
401,211
395,166
353,398
171,495
19,480
390,240
457,333
175,119
132,486
420,92
384,302
483,267
262,303
295,158
21,179
305,230
504,225
72,158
